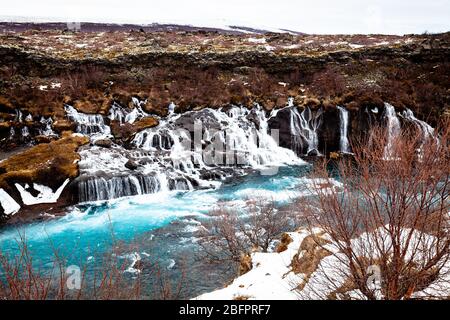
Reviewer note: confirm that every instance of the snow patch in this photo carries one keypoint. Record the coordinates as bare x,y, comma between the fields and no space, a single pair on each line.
46,194
9,205
257,40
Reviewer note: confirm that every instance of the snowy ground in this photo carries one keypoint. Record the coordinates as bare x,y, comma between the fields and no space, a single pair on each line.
272,276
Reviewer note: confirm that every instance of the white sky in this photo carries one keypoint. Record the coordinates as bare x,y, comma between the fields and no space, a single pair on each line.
316,16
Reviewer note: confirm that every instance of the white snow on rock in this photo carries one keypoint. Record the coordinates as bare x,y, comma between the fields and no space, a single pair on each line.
46,194
9,205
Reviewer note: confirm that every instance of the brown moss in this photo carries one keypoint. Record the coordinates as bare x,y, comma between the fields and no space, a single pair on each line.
47,163
94,101
334,155
63,125
5,103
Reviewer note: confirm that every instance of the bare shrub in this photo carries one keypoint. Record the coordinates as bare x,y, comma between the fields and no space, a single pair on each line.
390,215
229,235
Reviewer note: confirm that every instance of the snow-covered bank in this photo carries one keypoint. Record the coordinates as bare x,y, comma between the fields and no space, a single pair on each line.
312,268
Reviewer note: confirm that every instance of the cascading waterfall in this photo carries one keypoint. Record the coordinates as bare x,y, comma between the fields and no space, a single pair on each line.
88,124
244,143
19,116
104,176
25,132
304,127
190,150
12,133
343,129
174,156
393,131
102,188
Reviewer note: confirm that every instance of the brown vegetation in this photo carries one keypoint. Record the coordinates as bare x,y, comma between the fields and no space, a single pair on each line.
284,242
168,67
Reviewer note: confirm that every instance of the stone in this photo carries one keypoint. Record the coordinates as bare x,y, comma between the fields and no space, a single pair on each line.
104,143
132,165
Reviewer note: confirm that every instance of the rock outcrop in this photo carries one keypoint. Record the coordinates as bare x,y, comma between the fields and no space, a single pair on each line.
49,164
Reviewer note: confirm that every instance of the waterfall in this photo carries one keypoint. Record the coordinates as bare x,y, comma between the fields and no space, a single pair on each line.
46,129
343,129
103,188
19,116
25,132
123,115
185,151
393,131
425,129
171,109
242,133
88,124
12,133
304,127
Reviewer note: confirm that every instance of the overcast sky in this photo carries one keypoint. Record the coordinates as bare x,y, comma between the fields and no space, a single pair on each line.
316,16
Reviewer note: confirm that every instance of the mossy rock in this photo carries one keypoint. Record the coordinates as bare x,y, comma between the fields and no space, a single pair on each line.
47,163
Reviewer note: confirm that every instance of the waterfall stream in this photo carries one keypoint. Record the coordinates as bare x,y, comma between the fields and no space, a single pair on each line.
343,130
393,131
304,127
122,115
426,130
46,129
88,124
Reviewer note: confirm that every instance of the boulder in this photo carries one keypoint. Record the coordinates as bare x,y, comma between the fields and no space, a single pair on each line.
145,123
104,143
131,164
